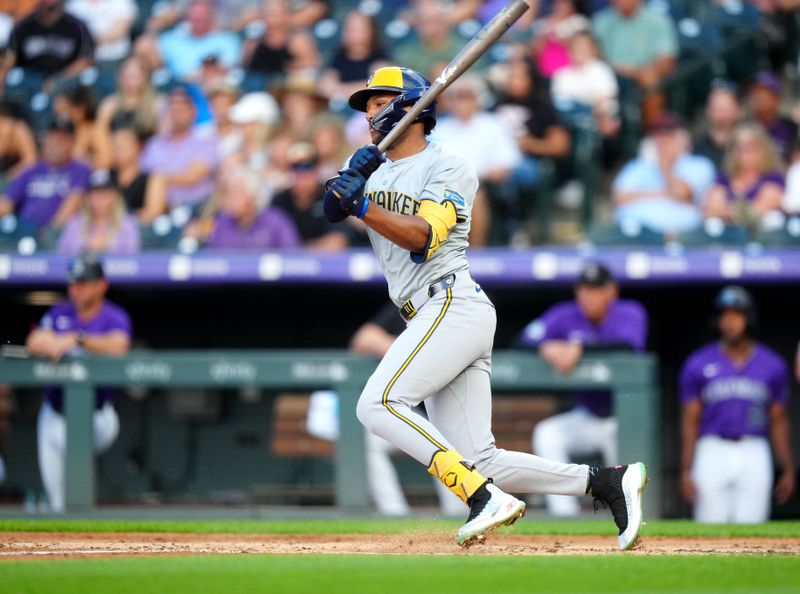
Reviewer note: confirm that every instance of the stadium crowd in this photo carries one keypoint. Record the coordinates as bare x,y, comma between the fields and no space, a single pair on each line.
186,124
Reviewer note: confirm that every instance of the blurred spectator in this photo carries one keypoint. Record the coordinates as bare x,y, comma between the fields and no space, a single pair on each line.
182,49
751,182
110,22
48,193
103,225
791,199
17,145
641,45
12,11
136,103
306,58
662,189
587,82
436,41
360,53
86,323
302,201
221,99
552,34
184,155
232,15
596,321
327,136
270,55
144,194
305,13
467,126
255,116
723,113
242,223
50,46
764,101
300,101
735,394
530,117
78,105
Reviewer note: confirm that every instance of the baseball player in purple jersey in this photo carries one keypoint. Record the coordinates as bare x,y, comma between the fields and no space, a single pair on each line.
416,202
596,321
87,322
734,394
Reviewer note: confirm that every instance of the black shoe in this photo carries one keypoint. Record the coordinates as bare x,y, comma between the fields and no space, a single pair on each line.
620,488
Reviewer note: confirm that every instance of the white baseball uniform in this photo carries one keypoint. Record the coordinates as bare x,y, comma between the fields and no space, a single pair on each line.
444,355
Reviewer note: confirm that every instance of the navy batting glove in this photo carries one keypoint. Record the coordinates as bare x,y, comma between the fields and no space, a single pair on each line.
349,188
333,208
366,160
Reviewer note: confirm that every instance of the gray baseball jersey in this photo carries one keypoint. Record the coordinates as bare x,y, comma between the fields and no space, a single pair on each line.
444,355
437,173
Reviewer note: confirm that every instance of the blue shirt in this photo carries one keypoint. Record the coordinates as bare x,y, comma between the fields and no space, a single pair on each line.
183,53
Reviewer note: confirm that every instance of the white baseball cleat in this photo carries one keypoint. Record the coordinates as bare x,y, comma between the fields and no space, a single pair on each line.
489,508
621,489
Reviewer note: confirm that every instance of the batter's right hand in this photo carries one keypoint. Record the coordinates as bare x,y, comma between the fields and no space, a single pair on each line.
349,189
366,160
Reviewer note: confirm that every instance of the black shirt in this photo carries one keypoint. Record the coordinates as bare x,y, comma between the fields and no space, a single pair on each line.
706,147
268,60
50,49
355,70
312,222
134,193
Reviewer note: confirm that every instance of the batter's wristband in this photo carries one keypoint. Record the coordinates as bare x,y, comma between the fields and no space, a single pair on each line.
363,209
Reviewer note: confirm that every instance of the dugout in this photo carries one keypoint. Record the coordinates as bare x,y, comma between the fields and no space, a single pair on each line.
217,448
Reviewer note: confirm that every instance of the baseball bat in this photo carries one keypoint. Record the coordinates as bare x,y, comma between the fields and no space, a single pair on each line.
475,48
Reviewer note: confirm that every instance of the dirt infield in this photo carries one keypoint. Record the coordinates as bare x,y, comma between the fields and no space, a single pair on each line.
30,545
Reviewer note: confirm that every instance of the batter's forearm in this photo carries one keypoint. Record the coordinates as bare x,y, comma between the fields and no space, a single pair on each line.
408,231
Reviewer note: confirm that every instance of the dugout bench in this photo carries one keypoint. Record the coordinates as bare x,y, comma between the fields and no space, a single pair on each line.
631,377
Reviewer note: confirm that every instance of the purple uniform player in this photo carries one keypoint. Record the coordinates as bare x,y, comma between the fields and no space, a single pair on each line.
734,395
85,323
596,321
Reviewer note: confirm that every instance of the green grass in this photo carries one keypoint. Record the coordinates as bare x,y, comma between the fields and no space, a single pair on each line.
401,574
335,574
600,526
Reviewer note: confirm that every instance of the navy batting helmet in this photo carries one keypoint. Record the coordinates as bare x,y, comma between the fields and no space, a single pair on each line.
409,86
738,298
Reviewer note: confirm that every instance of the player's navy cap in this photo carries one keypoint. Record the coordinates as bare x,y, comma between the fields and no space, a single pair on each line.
86,267
595,275
734,297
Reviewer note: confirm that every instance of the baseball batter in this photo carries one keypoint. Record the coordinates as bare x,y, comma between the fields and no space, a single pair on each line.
416,202
734,394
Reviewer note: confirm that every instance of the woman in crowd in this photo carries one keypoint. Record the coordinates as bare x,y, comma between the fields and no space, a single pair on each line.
102,225
751,183
78,106
136,103
551,35
17,145
144,194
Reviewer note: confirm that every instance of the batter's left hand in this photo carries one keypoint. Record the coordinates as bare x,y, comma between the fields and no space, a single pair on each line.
349,189
366,160
784,488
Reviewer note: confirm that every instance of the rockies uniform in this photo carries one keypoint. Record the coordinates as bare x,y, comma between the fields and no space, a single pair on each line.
444,355
732,468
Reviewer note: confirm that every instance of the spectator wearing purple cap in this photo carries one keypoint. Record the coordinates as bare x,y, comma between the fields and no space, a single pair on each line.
662,189
764,101
184,155
734,394
49,193
103,225
596,321
241,222
751,182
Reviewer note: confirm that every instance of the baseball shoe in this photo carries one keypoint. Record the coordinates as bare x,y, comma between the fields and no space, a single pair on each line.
620,488
489,508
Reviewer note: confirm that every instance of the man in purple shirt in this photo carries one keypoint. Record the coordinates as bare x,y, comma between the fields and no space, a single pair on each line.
597,320
185,155
734,394
86,323
48,193
242,223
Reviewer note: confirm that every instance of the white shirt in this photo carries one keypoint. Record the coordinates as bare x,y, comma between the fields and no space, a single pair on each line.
484,140
791,199
589,84
101,16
